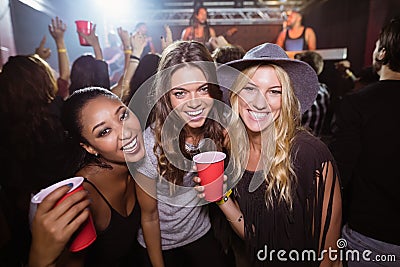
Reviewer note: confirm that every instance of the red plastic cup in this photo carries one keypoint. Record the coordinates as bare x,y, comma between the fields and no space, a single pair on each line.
86,234
85,27
210,168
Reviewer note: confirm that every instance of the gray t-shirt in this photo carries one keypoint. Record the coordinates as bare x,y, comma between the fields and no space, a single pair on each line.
182,217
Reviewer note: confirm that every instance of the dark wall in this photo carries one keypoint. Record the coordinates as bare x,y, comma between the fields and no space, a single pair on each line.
29,28
353,24
31,25
380,12
341,23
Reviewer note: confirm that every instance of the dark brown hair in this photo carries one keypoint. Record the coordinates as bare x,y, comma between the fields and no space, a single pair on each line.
71,119
176,56
389,40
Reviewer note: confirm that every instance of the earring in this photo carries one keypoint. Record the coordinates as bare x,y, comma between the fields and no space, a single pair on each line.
97,154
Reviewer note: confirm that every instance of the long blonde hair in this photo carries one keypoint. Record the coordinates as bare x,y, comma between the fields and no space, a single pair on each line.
276,139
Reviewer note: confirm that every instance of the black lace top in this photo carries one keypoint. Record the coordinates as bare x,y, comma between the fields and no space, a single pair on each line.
277,228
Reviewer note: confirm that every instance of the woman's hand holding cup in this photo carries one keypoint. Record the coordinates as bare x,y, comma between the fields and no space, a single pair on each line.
53,225
200,189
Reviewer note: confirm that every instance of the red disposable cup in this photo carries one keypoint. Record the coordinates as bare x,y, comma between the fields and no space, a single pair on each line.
210,168
85,27
86,234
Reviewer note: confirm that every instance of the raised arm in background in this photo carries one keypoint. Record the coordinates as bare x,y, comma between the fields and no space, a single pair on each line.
132,59
41,51
57,29
93,40
167,40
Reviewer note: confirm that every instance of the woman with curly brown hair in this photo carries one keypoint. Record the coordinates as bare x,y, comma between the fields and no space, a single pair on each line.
185,120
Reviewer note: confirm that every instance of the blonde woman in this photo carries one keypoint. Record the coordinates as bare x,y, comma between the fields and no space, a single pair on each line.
287,204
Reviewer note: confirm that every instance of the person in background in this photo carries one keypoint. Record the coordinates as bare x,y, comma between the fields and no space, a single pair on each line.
114,56
366,76
43,52
138,70
288,196
136,44
366,166
199,30
314,117
141,82
224,54
32,143
216,42
167,39
142,29
57,29
140,87
296,37
87,70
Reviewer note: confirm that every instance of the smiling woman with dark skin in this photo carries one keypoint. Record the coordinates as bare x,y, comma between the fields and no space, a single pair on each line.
105,135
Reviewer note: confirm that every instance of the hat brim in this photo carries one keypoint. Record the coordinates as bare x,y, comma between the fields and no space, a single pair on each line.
303,77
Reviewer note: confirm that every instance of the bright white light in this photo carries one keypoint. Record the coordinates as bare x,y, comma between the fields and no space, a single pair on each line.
119,8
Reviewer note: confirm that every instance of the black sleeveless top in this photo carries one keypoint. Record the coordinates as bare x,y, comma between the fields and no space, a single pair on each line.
115,246
295,44
282,228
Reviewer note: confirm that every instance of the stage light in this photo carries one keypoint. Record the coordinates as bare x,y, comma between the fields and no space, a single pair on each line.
120,9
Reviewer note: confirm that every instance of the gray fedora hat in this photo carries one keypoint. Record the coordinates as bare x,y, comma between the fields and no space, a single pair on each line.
303,77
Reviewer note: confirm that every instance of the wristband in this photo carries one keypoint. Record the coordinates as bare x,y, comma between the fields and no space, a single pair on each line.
128,51
134,57
133,60
62,50
225,198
